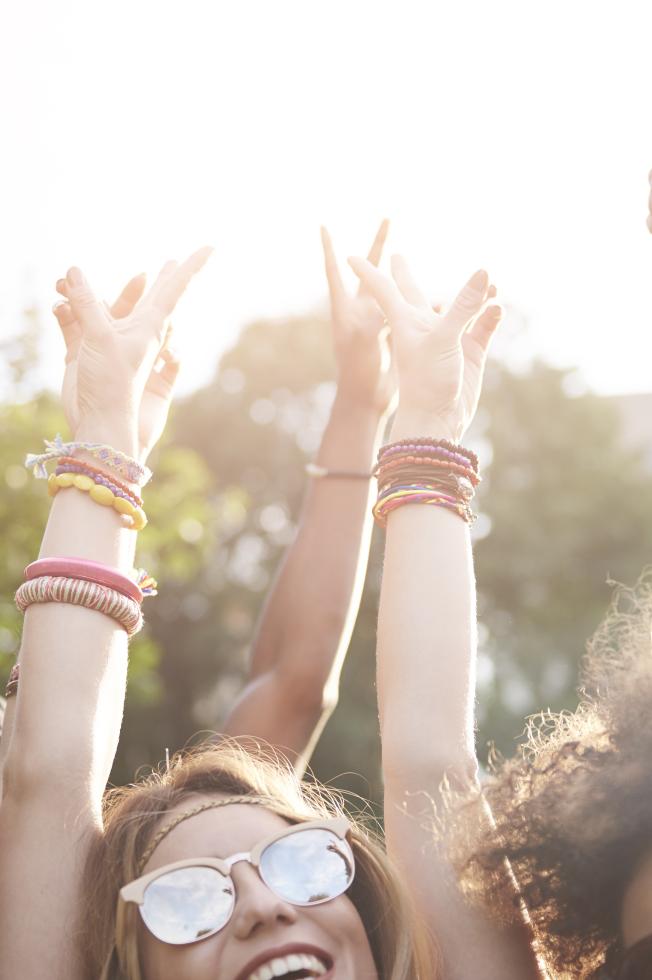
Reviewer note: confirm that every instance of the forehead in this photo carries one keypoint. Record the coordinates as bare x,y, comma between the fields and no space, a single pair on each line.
219,832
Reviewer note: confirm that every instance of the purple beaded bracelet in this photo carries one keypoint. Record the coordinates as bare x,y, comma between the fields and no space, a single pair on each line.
96,478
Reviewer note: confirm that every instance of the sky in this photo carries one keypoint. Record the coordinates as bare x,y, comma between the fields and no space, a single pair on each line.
509,135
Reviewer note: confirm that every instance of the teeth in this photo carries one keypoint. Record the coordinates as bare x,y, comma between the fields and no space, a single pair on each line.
280,966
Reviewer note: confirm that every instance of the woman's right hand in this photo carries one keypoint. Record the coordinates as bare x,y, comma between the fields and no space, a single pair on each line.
440,356
115,355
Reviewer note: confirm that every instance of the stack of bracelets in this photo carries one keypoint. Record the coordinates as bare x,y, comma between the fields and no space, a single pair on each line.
79,581
425,471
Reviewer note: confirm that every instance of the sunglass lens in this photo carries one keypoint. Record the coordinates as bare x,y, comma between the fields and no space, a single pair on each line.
187,904
308,866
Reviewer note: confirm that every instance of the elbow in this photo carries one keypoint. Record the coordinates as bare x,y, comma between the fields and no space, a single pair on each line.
418,766
308,697
29,775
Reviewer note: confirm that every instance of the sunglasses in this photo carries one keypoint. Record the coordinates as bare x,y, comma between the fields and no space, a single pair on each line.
185,902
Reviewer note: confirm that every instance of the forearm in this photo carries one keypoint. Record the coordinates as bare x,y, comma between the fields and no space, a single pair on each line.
307,622
73,662
426,639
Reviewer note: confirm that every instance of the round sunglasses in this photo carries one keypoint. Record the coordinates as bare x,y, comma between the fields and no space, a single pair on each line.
185,902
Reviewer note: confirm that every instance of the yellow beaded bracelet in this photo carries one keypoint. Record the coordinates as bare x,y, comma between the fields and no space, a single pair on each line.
100,494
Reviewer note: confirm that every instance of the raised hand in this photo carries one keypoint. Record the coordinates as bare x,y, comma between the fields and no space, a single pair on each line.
366,373
122,354
440,357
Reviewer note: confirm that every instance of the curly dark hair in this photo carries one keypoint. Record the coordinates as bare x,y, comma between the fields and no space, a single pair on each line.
573,809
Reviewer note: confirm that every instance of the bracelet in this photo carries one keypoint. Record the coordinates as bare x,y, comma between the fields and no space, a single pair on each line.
85,467
422,495
123,465
88,571
313,469
79,592
12,684
419,444
100,494
428,471
382,469
99,479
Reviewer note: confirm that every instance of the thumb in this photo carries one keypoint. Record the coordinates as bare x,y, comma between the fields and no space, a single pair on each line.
90,313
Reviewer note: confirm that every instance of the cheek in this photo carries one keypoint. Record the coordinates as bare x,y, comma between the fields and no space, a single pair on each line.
196,961
349,929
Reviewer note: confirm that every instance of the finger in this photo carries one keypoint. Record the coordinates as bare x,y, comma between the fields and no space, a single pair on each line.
87,308
485,326
376,249
69,326
467,303
164,375
491,292
129,297
62,287
406,284
382,288
173,280
335,285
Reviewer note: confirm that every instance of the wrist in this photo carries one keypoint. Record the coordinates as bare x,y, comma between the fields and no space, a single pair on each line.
118,432
357,412
412,423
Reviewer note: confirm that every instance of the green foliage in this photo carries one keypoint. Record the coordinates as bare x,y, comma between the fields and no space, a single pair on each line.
568,505
564,505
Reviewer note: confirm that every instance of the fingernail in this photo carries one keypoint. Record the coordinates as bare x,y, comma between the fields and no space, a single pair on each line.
57,306
495,311
75,276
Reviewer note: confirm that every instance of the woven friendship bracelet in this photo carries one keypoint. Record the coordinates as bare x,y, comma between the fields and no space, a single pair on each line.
423,495
12,684
122,464
79,592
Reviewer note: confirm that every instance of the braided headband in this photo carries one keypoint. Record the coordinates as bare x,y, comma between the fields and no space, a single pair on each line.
180,817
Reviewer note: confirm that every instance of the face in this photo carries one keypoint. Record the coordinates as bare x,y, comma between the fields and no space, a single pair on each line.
264,930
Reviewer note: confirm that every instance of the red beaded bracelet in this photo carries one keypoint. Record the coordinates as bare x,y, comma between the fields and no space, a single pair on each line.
89,571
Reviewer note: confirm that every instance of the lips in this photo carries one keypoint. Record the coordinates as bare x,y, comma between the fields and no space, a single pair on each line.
292,962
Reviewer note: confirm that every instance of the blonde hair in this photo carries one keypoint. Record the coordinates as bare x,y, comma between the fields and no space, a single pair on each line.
132,815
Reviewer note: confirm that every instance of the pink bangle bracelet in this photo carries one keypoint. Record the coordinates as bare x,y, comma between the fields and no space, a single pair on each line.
89,571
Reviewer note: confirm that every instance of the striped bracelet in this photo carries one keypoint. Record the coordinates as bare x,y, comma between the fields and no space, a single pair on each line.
79,592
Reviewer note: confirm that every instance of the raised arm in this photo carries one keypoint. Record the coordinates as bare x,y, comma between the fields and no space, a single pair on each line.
306,625
427,620
73,659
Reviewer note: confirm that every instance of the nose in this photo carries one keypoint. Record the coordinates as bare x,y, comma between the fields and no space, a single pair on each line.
256,906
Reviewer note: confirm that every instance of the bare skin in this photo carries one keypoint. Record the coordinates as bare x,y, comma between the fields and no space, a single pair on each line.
262,924
427,622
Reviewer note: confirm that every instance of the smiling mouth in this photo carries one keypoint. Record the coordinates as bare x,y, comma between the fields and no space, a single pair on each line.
296,966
